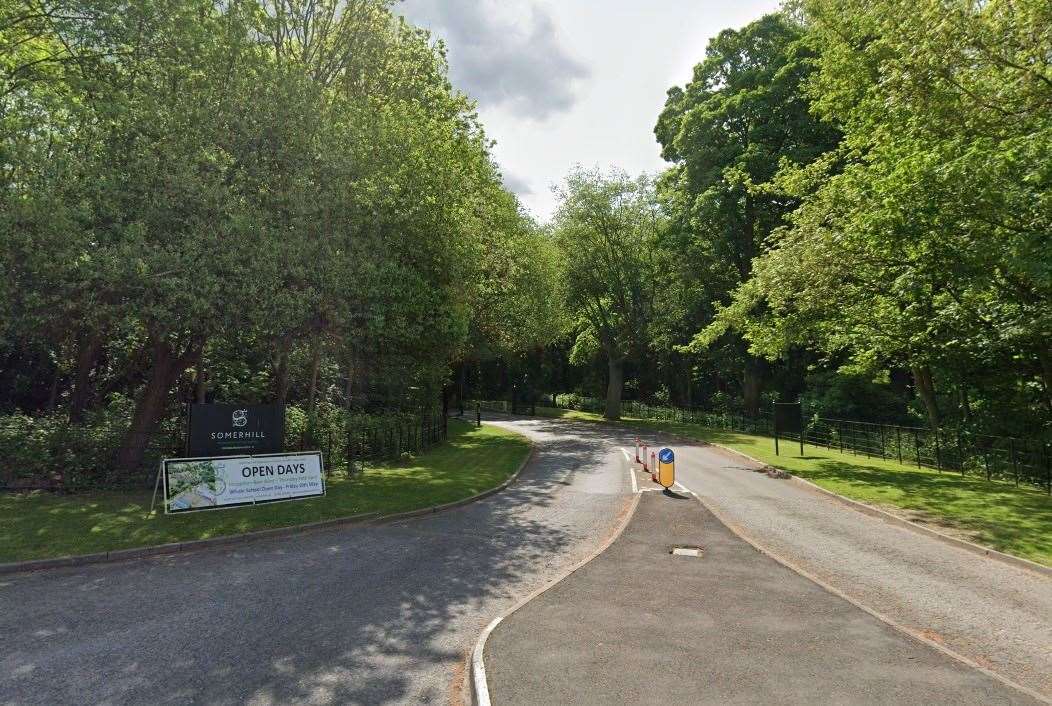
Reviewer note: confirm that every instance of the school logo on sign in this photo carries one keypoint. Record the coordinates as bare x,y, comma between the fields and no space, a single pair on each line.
235,430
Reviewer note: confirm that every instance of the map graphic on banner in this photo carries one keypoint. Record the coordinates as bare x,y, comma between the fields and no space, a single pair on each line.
213,483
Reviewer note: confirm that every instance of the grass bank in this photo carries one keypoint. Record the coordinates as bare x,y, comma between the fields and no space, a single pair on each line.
1016,520
40,525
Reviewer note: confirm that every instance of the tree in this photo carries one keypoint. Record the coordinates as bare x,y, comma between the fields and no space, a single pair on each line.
606,228
923,241
268,194
727,131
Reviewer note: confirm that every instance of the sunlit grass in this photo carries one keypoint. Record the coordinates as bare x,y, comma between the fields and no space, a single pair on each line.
39,525
1017,520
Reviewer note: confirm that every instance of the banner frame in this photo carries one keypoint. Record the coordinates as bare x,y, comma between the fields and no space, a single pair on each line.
247,503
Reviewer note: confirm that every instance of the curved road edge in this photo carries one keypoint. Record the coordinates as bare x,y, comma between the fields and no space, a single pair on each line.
135,553
479,685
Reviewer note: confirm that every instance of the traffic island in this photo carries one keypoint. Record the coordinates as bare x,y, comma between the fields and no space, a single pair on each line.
645,623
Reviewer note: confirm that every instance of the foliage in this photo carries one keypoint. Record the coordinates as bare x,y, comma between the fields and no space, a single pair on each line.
246,200
726,133
922,242
605,229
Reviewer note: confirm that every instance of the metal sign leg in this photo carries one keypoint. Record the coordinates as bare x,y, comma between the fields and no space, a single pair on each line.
156,483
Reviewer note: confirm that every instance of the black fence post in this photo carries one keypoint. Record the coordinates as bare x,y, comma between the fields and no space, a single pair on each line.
1015,463
916,446
898,442
938,454
478,414
1048,468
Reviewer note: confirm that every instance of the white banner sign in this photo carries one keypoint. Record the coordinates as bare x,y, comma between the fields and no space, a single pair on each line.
212,483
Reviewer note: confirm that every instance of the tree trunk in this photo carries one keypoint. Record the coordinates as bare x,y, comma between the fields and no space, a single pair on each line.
200,389
167,366
461,385
88,351
752,385
1045,358
926,391
614,385
964,403
281,371
52,397
348,390
312,390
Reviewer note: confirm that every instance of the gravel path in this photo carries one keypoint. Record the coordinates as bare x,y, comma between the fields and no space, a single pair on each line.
997,615
364,615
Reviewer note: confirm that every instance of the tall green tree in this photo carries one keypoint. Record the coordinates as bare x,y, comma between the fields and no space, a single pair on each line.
924,241
726,132
606,229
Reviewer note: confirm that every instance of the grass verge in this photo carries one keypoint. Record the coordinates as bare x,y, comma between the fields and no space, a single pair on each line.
996,514
40,525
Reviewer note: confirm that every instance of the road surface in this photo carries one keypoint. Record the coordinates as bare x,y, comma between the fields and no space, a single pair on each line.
387,614
361,615
728,626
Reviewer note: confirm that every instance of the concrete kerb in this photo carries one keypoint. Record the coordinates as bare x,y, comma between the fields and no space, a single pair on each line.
479,685
247,537
730,525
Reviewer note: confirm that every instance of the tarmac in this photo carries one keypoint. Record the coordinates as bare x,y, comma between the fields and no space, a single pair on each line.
640,625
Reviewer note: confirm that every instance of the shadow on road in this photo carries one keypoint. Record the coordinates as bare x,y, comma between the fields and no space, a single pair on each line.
377,614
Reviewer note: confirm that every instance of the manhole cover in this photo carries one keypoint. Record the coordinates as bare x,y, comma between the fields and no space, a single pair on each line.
686,551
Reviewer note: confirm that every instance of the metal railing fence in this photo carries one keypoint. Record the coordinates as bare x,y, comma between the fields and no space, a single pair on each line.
49,453
1013,459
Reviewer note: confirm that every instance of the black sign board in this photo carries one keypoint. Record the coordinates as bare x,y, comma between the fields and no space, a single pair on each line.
789,422
236,430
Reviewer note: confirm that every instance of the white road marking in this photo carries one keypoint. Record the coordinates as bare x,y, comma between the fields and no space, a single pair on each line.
684,488
631,471
478,667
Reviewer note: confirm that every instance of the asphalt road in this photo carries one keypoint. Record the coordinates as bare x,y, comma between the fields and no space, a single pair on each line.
369,615
997,615
639,625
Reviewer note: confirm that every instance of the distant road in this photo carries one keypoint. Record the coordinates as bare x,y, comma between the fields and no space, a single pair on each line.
365,615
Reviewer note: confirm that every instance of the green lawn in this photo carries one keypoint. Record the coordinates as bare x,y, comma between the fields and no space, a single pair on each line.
40,525
995,514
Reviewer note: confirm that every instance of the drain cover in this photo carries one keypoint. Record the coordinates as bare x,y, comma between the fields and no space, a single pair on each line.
686,551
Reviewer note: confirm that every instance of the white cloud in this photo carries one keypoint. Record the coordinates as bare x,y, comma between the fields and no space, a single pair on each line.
506,54
565,82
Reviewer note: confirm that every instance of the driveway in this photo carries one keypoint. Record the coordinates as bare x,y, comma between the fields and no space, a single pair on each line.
364,615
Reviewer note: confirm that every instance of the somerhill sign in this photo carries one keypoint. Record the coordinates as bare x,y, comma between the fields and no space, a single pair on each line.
235,460
235,430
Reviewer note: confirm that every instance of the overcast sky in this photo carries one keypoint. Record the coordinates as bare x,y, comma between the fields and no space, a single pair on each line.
565,82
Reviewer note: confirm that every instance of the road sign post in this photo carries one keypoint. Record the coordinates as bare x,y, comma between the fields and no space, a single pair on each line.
667,468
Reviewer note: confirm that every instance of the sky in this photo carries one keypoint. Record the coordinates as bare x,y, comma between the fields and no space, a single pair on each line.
567,82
